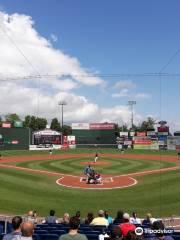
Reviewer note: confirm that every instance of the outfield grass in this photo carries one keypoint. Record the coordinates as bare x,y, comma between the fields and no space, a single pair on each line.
116,166
21,191
85,150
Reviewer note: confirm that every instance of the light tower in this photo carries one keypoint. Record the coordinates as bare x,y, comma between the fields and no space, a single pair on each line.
131,104
62,104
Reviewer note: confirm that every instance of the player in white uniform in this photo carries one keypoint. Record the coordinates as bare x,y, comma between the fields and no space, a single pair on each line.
96,157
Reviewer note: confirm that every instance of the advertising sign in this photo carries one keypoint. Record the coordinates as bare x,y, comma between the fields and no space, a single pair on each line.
163,129
101,126
6,125
18,124
141,134
123,134
80,126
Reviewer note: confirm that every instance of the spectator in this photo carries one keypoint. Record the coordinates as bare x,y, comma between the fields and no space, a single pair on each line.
100,220
149,219
131,235
31,217
89,218
109,218
158,225
116,233
126,226
65,219
78,216
135,219
73,232
119,217
27,229
51,218
16,224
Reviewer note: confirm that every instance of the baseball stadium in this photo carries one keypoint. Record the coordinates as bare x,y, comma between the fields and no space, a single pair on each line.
89,120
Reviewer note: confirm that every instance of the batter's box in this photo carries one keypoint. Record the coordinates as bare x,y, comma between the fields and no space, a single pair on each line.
107,180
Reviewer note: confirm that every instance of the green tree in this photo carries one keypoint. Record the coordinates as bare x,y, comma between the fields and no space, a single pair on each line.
67,130
148,125
41,123
12,117
33,123
26,122
55,125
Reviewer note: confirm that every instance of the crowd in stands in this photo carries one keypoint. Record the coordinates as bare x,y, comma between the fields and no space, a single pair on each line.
100,227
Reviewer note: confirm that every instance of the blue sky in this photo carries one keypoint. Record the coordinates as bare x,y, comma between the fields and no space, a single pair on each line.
115,37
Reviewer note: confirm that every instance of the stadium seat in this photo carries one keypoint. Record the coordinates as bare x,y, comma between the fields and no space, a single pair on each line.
58,232
49,237
85,228
176,237
92,236
100,228
39,232
36,237
1,236
49,228
42,225
92,232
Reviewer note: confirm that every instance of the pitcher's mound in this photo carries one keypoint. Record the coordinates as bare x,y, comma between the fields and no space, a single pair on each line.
98,163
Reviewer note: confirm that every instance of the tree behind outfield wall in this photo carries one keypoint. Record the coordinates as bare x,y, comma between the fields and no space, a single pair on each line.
35,123
147,125
55,125
12,117
67,130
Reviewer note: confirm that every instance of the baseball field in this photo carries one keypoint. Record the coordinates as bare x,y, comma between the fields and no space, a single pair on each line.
144,181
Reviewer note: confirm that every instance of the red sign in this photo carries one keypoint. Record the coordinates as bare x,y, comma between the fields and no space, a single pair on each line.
65,139
163,129
101,126
65,146
6,125
141,134
142,142
14,142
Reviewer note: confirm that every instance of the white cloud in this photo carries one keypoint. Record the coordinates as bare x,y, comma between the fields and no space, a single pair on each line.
54,37
40,96
125,85
142,96
17,31
123,93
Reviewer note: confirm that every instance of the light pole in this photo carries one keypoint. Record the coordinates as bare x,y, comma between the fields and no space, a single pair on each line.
62,103
131,104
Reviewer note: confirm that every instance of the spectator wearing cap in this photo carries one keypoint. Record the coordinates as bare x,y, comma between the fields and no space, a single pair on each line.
100,220
73,232
134,219
16,224
126,226
116,233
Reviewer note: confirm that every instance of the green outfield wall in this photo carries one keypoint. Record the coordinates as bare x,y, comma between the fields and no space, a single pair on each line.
14,138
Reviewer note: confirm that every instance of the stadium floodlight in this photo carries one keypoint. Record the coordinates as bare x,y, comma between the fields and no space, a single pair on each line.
62,104
131,104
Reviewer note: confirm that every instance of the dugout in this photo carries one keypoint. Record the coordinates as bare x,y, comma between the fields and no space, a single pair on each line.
14,138
94,134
